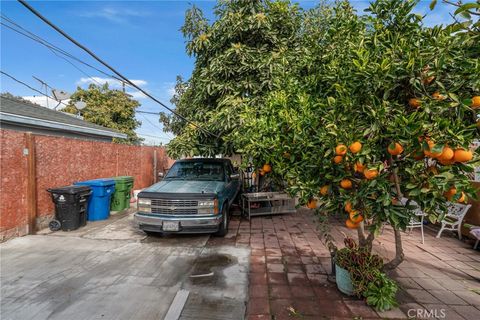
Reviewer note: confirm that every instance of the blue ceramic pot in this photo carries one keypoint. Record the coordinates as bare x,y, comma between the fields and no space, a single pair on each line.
344,282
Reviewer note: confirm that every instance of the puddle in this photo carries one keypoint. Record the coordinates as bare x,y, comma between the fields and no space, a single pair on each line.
208,270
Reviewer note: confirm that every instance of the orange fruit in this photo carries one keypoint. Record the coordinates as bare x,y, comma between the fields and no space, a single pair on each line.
447,154
462,155
324,190
355,216
434,154
438,96
348,206
429,152
395,149
346,184
428,80
267,168
341,150
355,147
350,224
337,159
312,204
446,162
418,155
450,193
475,102
414,103
358,167
370,173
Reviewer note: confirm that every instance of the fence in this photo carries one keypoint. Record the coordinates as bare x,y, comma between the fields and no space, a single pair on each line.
30,164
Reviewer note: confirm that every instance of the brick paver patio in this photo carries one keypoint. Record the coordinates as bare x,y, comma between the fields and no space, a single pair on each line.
289,265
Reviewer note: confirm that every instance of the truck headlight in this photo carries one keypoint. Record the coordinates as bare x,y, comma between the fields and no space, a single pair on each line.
209,203
208,206
143,205
144,201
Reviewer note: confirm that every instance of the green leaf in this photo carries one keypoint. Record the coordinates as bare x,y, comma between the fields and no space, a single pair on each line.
433,4
466,7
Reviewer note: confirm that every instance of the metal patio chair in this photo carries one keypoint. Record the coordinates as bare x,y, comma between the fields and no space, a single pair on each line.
454,217
417,220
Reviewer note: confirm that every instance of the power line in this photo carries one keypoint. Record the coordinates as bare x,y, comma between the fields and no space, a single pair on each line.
154,125
31,88
54,50
151,136
36,13
148,112
40,40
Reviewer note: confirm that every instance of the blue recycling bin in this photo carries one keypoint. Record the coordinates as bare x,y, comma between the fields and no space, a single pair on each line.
99,201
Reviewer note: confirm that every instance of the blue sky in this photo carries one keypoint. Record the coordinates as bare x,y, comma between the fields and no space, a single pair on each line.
141,39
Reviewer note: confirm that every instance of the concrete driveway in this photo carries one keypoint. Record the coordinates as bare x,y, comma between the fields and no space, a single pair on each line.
111,270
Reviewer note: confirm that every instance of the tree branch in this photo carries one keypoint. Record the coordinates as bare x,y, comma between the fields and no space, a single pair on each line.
399,255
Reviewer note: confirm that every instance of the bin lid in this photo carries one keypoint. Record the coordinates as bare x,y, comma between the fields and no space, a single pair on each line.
97,182
69,189
123,179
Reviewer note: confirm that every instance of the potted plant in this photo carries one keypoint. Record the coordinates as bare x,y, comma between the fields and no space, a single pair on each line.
358,273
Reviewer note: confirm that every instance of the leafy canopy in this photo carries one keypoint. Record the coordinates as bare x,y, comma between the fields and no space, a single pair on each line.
109,108
238,59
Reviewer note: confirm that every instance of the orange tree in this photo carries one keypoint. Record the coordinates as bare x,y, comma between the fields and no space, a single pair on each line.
379,107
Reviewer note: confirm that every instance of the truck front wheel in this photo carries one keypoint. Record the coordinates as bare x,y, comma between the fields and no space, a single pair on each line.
223,228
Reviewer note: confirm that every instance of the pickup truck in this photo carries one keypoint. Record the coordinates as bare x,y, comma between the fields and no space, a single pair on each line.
194,197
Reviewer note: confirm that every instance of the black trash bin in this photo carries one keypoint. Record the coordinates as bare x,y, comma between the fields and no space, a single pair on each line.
70,207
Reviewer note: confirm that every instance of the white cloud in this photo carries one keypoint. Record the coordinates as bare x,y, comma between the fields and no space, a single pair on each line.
118,15
113,83
46,102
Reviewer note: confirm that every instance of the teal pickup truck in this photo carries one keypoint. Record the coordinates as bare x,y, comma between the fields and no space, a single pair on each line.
194,197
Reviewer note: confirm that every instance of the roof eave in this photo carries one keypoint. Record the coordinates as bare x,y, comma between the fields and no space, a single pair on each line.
58,125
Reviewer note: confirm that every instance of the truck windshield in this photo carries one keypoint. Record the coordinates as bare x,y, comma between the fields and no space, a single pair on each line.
196,170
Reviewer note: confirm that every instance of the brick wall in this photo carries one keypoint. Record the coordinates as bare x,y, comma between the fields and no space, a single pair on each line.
60,162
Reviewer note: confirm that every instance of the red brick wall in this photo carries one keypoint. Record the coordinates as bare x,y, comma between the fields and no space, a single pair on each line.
60,162
13,181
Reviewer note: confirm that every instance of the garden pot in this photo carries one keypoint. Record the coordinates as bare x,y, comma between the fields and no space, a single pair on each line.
344,282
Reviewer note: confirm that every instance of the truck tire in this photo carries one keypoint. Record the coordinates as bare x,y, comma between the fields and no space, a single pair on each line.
223,228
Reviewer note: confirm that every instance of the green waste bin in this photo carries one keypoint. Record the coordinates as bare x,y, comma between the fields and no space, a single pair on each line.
121,197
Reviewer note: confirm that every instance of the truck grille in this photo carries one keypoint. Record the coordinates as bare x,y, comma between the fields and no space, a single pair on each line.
164,206
174,203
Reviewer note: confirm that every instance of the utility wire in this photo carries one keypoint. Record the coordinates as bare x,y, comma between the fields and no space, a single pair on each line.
31,88
37,38
151,136
54,50
154,125
39,15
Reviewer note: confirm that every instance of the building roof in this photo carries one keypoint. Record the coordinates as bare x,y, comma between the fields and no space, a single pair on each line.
28,114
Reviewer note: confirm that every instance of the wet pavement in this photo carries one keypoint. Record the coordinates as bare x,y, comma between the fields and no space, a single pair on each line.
111,270
272,267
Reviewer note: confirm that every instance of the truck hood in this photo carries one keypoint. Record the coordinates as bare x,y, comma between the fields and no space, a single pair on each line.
189,187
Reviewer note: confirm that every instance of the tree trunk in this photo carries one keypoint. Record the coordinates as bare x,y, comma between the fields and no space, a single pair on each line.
399,255
362,241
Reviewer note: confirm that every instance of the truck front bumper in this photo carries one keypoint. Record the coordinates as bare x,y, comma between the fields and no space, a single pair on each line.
187,224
